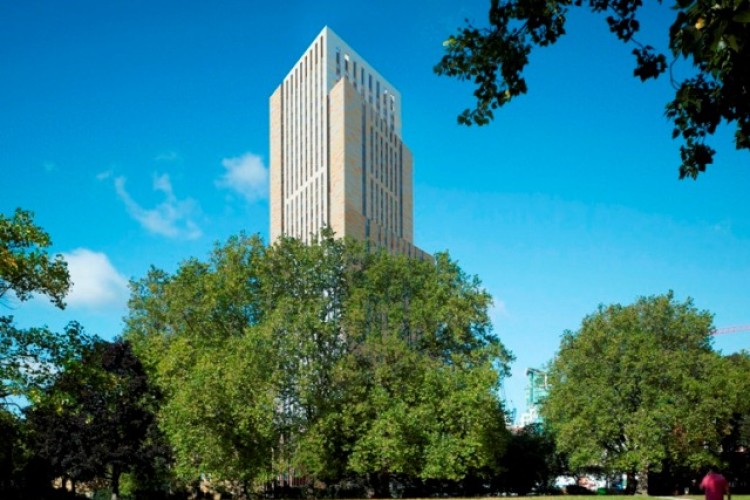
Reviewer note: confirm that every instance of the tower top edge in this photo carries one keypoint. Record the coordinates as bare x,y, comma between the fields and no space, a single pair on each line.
330,39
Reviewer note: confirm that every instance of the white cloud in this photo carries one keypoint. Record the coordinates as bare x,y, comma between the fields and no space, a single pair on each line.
498,309
246,175
171,218
101,176
96,282
168,156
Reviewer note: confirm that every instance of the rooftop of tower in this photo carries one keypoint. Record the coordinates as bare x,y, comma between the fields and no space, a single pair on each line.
349,62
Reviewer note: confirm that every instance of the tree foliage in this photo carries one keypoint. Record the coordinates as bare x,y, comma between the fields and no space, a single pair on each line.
415,387
713,35
98,419
197,331
25,266
639,386
735,445
323,359
531,462
28,357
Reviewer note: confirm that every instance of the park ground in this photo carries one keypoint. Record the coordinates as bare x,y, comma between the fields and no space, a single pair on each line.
621,497
600,497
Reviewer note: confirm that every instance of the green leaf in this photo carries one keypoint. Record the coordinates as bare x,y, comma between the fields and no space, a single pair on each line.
732,42
630,384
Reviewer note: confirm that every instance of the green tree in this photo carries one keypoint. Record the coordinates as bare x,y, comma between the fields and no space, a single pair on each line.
25,265
10,450
200,335
323,358
28,357
242,345
639,386
531,462
418,385
98,419
713,35
735,446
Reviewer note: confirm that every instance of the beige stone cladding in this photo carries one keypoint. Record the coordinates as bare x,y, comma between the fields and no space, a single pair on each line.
345,136
276,196
299,148
407,197
371,172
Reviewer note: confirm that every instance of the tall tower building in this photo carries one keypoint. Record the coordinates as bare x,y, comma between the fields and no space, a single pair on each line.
337,158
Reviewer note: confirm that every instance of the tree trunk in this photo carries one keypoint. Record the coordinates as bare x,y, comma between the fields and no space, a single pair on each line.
381,484
632,483
115,483
643,481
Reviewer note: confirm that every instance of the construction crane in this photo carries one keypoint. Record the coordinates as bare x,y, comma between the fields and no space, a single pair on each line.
731,329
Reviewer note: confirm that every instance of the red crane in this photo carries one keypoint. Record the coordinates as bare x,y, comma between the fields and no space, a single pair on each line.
731,329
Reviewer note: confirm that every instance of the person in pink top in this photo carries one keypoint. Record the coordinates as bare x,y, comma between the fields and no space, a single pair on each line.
715,485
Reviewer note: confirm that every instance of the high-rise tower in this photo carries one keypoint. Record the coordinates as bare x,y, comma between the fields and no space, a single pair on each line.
337,158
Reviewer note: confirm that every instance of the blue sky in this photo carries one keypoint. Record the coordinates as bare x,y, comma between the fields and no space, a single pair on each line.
138,134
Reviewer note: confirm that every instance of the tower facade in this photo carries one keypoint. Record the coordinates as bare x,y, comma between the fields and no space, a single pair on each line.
337,158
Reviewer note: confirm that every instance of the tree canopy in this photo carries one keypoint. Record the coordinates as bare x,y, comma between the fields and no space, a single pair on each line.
324,359
735,445
25,265
531,462
98,418
639,386
29,357
714,36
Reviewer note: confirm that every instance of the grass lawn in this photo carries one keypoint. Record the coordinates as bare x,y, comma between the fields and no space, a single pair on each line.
618,497
593,497
701,497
